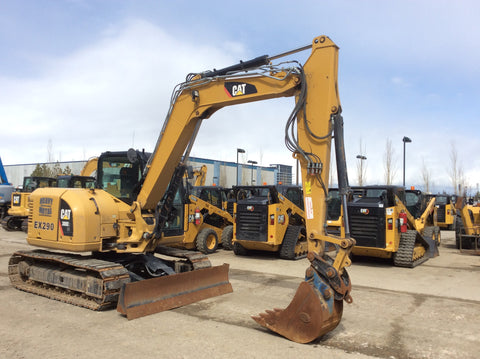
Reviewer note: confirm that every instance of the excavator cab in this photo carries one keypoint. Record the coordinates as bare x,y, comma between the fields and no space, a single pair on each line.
120,174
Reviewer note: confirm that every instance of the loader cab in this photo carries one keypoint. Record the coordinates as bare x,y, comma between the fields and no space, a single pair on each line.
121,173
416,202
214,195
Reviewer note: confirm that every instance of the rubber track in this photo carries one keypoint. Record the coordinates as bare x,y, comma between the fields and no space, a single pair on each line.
112,276
404,255
287,250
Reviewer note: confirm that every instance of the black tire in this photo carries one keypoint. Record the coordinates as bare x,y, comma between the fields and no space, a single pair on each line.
459,230
207,241
240,250
227,237
11,223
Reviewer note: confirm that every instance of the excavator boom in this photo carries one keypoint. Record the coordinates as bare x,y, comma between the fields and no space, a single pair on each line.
317,306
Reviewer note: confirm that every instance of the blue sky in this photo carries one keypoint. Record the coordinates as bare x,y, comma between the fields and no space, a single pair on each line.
90,76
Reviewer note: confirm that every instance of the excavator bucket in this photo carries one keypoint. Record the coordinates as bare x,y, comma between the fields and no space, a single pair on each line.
145,297
313,312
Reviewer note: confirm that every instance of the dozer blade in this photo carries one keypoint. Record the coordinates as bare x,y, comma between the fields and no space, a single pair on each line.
145,297
306,318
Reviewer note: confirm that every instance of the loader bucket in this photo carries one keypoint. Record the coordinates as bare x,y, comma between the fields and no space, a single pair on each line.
310,314
145,297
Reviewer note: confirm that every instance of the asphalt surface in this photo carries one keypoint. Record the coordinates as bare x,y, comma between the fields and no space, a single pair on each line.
430,311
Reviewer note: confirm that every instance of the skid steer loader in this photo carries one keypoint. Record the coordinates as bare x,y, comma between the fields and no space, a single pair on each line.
201,221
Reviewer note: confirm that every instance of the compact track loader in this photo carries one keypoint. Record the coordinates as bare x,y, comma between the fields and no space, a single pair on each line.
118,237
270,218
383,227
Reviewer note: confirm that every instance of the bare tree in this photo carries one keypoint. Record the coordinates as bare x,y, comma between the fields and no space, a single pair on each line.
389,164
456,171
50,150
425,176
361,167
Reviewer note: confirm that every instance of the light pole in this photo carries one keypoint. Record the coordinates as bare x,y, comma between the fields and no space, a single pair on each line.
405,141
360,176
239,150
253,163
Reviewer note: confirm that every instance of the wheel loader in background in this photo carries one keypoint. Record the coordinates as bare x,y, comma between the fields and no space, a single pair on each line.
383,226
270,218
6,190
122,238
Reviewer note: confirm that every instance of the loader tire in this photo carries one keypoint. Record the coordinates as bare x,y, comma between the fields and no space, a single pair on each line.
11,223
207,241
227,236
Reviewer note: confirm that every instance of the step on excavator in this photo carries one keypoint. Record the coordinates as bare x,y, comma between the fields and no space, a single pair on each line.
117,241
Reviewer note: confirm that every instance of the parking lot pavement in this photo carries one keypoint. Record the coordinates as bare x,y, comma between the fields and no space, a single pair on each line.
429,311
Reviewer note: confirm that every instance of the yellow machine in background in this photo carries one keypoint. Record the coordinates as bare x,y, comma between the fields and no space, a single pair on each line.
16,220
90,167
467,228
384,227
200,219
125,232
199,174
270,218
446,212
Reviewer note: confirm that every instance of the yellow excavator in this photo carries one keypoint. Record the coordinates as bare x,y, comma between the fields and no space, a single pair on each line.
116,238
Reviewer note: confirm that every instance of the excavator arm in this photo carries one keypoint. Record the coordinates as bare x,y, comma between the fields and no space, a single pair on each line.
90,167
317,306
